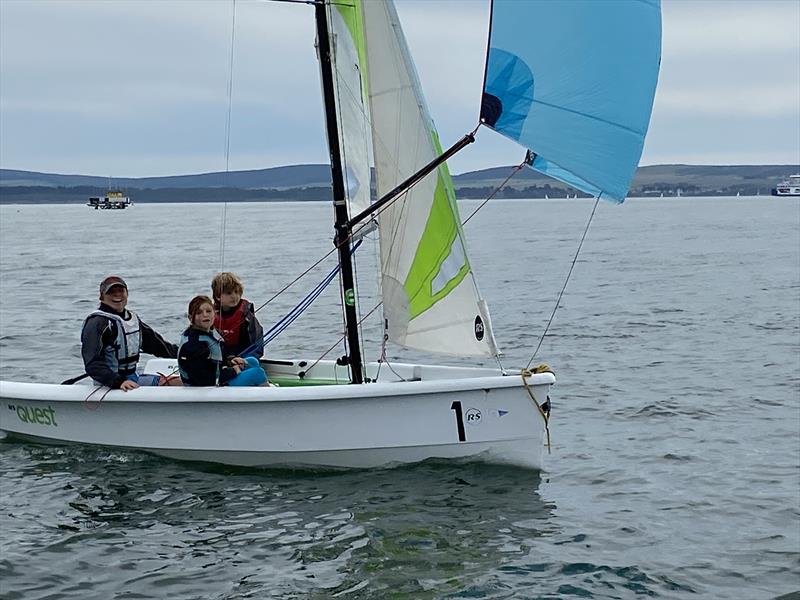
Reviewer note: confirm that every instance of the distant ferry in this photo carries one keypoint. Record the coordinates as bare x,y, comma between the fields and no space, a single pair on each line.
790,187
112,200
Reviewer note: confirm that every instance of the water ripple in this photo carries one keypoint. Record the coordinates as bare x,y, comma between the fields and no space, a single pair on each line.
675,468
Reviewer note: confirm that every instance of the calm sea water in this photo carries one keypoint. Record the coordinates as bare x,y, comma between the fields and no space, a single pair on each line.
675,470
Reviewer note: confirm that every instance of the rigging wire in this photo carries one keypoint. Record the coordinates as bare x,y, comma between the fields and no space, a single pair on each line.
516,170
223,225
566,281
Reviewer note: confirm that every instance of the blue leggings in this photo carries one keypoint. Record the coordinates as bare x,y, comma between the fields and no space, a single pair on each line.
252,374
143,379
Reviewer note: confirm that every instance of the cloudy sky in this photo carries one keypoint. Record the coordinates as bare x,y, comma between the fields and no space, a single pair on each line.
140,88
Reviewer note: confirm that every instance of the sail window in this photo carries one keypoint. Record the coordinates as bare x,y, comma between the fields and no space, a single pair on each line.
450,268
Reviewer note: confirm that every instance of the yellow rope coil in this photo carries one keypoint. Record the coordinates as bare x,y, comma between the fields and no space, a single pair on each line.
525,373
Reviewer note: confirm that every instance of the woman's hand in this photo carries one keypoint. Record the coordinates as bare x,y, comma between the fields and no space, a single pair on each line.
238,361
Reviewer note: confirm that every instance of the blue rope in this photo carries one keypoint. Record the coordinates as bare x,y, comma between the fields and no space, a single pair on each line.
291,316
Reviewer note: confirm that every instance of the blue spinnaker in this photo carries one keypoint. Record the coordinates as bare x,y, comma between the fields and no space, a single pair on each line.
574,81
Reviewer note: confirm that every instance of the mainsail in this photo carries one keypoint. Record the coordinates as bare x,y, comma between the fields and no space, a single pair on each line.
574,82
431,301
348,56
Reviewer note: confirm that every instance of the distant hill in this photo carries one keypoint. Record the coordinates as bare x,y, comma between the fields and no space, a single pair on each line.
312,182
277,177
669,180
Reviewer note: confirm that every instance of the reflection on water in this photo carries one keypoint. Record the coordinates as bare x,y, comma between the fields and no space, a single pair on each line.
278,533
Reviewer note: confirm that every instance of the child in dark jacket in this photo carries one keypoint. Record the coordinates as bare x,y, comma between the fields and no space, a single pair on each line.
202,355
235,317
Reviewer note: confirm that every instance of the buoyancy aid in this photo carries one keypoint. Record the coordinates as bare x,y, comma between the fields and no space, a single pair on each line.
230,325
122,355
213,339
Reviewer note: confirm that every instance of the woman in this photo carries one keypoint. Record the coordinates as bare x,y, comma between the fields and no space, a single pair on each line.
201,355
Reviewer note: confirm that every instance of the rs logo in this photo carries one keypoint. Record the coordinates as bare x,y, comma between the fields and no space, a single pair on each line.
473,416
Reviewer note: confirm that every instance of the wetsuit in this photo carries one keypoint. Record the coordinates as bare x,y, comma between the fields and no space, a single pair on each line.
202,362
201,358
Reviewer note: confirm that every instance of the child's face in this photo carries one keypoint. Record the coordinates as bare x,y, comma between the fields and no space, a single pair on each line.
204,317
229,299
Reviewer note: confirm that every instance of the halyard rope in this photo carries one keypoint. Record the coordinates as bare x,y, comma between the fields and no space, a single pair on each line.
223,225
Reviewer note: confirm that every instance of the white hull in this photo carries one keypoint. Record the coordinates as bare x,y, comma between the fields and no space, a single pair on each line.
790,187
787,191
373,425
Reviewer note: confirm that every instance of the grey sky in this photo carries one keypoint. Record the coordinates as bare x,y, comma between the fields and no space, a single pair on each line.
140,88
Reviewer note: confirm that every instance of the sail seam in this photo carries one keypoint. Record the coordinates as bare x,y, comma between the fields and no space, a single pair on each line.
590,117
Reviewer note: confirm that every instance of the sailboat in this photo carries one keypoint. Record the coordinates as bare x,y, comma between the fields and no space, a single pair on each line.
580,112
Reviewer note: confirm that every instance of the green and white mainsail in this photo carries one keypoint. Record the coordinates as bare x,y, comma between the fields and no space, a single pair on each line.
431,301
352,104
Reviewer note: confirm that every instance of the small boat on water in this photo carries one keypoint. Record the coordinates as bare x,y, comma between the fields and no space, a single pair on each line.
788,187
580,117
113,200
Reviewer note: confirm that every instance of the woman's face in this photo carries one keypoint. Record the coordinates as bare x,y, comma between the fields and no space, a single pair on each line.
204,317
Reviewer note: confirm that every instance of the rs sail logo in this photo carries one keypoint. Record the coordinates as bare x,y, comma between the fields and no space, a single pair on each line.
35,415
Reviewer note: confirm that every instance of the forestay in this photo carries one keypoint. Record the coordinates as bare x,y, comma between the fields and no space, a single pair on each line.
430,298
574,82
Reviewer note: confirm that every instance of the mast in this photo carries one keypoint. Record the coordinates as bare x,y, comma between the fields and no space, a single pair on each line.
342,238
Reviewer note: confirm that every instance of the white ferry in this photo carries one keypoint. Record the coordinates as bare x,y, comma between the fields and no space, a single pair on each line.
112,200
790,187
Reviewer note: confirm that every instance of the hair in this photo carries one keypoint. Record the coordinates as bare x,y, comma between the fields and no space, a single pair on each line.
226,283
196,303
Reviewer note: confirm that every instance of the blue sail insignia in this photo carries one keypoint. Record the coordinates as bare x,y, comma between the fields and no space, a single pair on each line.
574,82
507,97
